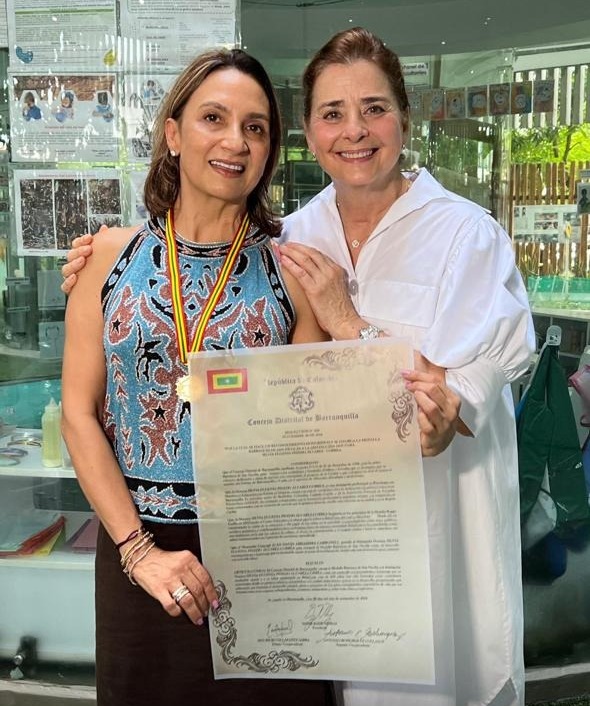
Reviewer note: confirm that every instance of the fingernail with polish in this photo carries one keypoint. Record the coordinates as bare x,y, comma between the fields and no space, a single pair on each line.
215,605
200,621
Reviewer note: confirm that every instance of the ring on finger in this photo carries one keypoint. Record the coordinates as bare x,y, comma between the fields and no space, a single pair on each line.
180,593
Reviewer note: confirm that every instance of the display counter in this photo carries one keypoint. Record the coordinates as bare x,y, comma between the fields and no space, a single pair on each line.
45,596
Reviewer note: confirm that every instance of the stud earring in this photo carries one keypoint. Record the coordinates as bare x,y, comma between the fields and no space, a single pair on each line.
172,153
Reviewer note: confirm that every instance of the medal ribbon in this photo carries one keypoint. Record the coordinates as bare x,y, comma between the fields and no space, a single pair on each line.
177,298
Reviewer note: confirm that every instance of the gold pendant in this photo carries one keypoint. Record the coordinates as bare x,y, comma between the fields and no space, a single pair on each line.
187,389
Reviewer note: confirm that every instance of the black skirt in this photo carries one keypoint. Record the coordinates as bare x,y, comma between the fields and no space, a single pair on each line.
144,657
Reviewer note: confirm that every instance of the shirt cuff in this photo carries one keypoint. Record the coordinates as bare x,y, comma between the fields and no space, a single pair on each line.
479,384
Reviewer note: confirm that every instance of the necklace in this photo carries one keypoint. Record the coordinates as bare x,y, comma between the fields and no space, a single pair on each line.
178,312
355,244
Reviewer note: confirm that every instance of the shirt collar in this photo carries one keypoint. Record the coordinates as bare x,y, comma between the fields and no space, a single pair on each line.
425,188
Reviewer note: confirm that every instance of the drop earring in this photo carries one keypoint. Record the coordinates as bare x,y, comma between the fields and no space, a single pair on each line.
404,151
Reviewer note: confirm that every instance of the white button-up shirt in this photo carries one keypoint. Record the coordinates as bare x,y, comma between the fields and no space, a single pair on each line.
439,271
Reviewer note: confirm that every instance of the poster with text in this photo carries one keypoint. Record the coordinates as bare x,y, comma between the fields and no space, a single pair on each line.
547,223
58,35
63,118
54,206
170,35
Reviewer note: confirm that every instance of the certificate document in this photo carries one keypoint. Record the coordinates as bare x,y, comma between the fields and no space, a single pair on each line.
313,518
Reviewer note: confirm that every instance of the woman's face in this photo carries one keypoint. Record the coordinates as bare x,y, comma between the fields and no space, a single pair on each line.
222,137
355,127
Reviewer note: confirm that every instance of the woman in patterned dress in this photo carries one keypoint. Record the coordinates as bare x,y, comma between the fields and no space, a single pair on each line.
216,144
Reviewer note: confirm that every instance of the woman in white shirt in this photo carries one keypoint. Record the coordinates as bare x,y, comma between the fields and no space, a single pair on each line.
399,252
396,254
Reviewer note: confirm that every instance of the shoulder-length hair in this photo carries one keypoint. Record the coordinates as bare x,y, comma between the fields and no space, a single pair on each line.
163,180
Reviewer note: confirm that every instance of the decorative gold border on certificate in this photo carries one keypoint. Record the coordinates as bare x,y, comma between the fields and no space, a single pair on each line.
401,400
227,635
343,359
403,407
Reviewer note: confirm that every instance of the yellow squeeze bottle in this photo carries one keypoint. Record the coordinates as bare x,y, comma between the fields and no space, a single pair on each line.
51,441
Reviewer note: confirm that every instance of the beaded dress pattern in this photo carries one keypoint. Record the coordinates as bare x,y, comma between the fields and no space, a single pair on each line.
146,422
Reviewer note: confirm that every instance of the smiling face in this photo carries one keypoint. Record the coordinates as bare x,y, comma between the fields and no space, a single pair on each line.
500,100
355,125
222,137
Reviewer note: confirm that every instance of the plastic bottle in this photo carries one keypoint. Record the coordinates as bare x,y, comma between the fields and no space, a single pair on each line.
51,443
66,461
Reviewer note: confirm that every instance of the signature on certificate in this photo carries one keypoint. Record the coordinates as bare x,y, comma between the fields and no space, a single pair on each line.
318,616
363,636
276,630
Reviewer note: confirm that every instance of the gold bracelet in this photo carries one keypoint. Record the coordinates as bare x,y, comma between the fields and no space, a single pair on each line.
141,539
129,570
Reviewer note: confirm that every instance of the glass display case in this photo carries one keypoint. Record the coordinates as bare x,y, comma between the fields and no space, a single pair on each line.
46,567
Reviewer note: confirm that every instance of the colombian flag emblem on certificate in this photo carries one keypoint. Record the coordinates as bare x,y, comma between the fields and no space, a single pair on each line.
228,380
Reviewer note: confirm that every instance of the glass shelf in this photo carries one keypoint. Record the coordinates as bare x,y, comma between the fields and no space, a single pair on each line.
31,466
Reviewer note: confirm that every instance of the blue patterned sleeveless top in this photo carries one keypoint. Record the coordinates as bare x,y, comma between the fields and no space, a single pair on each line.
146,423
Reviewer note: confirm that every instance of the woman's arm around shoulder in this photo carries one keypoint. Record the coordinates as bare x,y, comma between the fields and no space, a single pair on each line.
104,250
81,249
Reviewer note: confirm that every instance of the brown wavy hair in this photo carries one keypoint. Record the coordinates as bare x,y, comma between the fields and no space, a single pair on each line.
356,44
163,180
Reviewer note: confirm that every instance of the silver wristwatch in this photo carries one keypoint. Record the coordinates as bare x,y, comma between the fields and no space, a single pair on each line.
368,332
